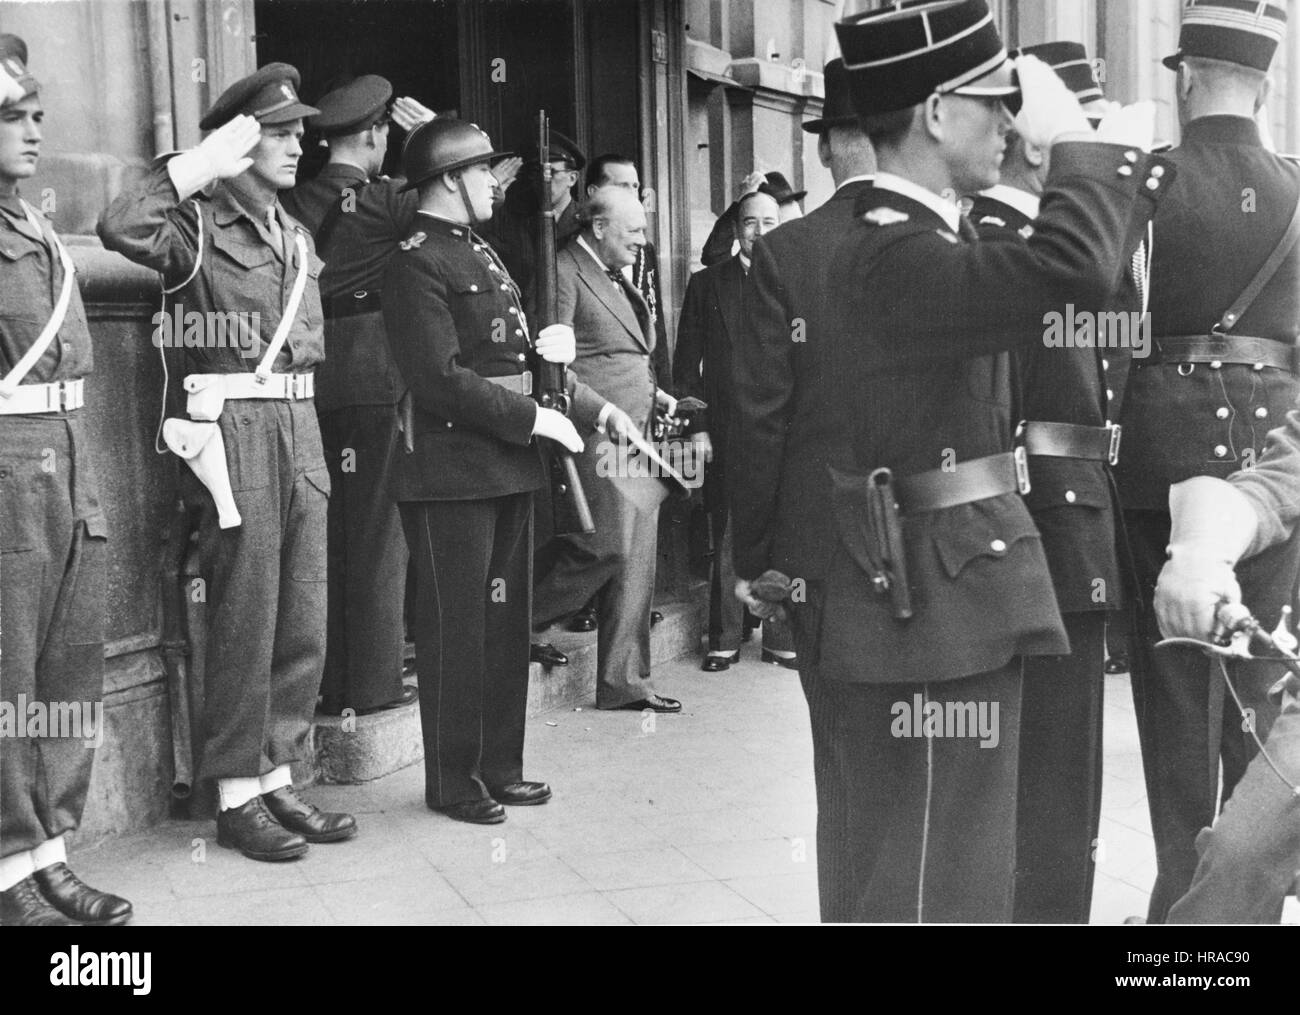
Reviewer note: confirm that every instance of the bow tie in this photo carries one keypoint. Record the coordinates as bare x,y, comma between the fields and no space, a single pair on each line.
615,276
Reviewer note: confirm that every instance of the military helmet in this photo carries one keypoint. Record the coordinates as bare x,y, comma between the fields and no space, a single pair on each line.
443,145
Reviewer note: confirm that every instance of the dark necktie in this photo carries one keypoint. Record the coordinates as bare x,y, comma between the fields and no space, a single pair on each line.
638,308
967,231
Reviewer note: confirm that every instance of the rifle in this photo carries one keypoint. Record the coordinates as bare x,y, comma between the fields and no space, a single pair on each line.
569,504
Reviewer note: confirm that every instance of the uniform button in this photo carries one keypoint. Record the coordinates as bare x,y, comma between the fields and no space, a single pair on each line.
998,546
519,333
1157,171
456,232
1110,395
1259,366
1070,496
1153,184
1261,413
1223,412
504,287
1125,170
1220,451
473,288
448,424
513,311
1216,364
1131,157
520,357
492,267
1105,364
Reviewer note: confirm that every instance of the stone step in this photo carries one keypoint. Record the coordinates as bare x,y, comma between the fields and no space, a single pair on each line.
363,748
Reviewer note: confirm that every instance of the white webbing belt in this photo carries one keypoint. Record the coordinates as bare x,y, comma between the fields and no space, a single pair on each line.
9,385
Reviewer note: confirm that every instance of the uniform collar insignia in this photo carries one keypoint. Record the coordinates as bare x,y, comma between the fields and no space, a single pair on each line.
412,242
1027,230
993,220
885,217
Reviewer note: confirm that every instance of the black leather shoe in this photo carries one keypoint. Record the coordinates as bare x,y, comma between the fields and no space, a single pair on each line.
790,663
653,704
656,618
1117,664
717,663
23,905
477,812
410,693
78,901
584,620
548,655
521,794
254,832
313,824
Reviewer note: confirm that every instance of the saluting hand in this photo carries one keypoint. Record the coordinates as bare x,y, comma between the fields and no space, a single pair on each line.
1049,111
10,89
226,149
408,114
506,170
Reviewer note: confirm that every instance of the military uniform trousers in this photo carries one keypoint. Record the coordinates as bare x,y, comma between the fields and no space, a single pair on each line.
929,822
1250,859
367,561
617,564
1187,722
1058,810
53,561
473,576
264,640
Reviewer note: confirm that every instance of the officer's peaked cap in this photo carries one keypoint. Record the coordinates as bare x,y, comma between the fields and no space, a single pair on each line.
562,149
444,145
353,107
1246,32
900,55
1071,63
270,94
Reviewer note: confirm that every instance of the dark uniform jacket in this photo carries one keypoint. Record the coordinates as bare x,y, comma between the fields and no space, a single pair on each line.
151,226
375,218
513,234
711,322
912,381
453,319
1071,499
1217,226
33,280
780,507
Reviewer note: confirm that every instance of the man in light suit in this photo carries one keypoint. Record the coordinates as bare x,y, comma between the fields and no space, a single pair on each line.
615,345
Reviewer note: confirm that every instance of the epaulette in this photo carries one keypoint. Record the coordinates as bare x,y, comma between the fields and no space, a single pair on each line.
993,220
413,242
885,217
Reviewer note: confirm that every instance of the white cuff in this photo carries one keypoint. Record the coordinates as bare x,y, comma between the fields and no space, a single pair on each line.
277,778
237,792
603,418
49,852
14,868
190,172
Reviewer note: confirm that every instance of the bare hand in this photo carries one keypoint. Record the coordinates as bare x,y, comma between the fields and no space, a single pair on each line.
751,183
758,607
506,170
408,113
226,148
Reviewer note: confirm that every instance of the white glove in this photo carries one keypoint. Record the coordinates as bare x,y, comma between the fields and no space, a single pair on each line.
408,113
556,343
1049,109
10,90
1133,126
220,156
558,428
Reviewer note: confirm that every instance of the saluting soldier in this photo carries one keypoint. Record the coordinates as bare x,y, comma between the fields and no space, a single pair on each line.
1066,400
936,583
53,539
1225,315
782,521
460,339
357,218
209,222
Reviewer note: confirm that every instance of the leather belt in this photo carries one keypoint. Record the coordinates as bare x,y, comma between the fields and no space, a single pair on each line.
1073,440
363,301
57,396
289,387
520,383
1216,351
978,479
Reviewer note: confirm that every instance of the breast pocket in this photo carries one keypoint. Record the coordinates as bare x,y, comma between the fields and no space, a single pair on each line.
26,290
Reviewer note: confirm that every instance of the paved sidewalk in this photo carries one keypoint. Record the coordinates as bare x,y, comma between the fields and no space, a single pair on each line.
703,817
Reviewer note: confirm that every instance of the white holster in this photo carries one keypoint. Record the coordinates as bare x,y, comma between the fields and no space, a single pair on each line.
206,396
204,451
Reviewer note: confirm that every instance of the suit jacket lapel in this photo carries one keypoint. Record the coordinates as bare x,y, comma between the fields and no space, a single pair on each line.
609,294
